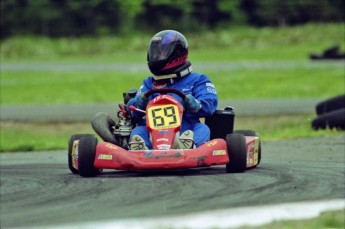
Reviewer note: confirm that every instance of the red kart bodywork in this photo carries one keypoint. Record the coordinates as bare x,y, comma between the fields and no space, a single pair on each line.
109,156
214,152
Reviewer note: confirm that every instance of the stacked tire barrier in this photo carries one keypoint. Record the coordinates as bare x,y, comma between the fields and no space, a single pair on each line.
332,53
330,114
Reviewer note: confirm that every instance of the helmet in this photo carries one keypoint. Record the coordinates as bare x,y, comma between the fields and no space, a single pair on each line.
167,55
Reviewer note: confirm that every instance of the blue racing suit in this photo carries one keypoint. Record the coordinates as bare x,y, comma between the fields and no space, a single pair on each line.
197,84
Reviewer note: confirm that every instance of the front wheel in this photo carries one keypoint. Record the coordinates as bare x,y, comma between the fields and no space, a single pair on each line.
72,148
236,145
251,133
86,156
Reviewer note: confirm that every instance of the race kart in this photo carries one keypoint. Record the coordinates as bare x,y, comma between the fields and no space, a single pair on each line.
237,150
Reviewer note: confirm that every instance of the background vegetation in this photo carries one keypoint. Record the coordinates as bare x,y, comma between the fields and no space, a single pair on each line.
61,18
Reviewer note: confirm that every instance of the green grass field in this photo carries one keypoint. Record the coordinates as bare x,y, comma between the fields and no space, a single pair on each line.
243,63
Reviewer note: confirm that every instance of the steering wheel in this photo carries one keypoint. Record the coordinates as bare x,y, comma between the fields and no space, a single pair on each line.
164,91
160,91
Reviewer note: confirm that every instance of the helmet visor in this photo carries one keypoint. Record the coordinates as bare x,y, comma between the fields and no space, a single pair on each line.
159,52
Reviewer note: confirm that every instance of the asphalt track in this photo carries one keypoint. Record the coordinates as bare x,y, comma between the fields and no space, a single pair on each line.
37,188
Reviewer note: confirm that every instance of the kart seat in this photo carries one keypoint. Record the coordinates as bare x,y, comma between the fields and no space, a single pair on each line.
221,122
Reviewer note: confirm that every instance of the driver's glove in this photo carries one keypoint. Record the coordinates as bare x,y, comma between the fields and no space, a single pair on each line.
142,101
191,104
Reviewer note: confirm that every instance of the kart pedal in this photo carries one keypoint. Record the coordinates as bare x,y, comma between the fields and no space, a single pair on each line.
186,140
137,143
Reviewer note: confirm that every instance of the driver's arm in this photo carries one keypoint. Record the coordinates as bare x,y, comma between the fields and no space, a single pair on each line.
205,92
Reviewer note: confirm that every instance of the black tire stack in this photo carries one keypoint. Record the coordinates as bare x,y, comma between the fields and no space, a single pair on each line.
330,114
331,53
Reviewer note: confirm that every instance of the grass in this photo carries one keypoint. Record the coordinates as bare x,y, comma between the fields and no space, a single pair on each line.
329,220
38,136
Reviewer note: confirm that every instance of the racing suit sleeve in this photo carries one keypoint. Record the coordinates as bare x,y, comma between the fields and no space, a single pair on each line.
205,92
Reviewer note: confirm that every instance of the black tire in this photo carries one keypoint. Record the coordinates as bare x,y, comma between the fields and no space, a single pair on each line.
333,119
102,124
332,104
70,149
86,156
236,144
253,134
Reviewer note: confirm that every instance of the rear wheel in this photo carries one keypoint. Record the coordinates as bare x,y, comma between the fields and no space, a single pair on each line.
86,156
72,149
102,124
251,133
236,144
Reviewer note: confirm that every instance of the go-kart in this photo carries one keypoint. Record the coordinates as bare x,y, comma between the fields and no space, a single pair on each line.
238,150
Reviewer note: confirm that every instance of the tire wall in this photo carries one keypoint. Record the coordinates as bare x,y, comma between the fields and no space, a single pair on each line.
330,114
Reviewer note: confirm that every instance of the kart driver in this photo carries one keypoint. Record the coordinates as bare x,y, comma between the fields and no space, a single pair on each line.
167,60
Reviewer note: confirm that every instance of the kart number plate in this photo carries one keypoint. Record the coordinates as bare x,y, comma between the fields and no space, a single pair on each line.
163,116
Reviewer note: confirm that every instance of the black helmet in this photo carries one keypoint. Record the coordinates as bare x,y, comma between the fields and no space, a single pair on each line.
167,55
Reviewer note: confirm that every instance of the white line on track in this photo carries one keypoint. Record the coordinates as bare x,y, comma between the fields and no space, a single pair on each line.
227,218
